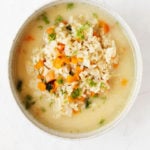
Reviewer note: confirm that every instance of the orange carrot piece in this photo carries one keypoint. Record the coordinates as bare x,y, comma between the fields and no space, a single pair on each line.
64,22
124,82
40,76
50,76
74,60
50,30
65,59
81,99
39,64
41,86
76,86
95,34
70,99
80,59
75,111
105,26
78,69
56,85
115,66
76,76
60,54
29,38
58,62
71,79
92,94
60,47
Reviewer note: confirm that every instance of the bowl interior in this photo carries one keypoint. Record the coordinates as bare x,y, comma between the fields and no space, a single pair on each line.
138,72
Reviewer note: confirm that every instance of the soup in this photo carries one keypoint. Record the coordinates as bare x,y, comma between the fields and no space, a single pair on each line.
74,68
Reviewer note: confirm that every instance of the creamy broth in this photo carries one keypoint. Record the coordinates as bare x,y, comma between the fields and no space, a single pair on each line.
104,109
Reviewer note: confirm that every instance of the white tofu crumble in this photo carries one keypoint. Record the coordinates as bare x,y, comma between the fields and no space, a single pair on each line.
76,64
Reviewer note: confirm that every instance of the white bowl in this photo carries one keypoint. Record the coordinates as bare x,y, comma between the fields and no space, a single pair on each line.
138,72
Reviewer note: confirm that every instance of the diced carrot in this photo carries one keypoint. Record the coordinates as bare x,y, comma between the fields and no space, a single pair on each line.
56,85
77,72
64,22
124,82
50,30
58,62
40,76
115,66
92,94
81,99
74,60
76,86
60,54
52,90
66,59
78,69
29,38
70,99
75,111
42,86
50,76
39,64
105,26
76,76
80,59
71,79
60,47
92,62
95,34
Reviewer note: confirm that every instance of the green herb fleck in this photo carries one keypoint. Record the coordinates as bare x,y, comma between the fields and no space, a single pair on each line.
95,96
60,81
95,15
40,27
117,23
63,92
102,85
81,30
19,85
76,93
87,103
52,36
102,121
58,20
44,17
80,34
41,97
70,5
43,109
75,52
65,101
103,98
51,103
86,25
28,101
92,83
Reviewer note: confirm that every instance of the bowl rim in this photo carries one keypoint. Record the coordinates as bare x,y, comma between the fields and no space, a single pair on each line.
136,88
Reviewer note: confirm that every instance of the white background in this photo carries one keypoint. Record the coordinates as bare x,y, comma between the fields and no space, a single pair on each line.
17,133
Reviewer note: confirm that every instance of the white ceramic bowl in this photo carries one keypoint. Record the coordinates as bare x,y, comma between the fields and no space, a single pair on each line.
138,72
